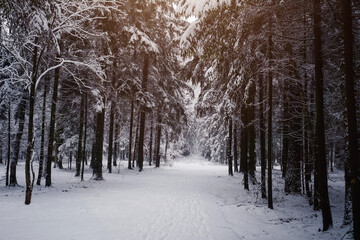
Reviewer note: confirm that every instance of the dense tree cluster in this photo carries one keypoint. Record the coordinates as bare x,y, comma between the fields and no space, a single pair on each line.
79,77
278,86
285,70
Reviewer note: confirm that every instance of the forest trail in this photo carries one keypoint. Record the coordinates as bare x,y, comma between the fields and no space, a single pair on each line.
192,199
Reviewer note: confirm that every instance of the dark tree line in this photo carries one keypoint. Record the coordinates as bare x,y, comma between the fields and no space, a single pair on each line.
273,68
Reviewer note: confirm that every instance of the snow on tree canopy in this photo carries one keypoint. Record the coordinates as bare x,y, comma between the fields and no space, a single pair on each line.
39,22
188,34
99,105
140,37
197,7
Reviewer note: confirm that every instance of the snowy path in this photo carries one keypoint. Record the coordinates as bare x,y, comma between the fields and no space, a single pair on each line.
194,199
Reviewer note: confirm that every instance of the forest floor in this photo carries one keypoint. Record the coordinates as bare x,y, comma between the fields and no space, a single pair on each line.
192,199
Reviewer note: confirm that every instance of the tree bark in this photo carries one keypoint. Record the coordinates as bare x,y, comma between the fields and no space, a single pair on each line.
229,146
306,121
308,168
157,142
1,151
140,157
80,145
251,131
270,114
116,145
58,142
244,144
30,140
285,129
320,163
9,145
131,132
166,145
99,140
235,148
151,141
42,141
348,196
85,133
50,156
136,143
20,115
111,137
293,169
262,137
353,144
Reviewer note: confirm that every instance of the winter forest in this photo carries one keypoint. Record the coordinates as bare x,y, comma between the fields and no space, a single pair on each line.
179,119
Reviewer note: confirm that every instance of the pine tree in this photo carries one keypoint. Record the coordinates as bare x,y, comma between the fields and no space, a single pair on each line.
351,115
321,170
270,114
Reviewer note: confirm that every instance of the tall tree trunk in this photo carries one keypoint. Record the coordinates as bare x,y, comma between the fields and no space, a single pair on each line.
157,142
93,151
99,142
320,164
80,145
251,131
151,141
347,220
293,175
235,148
20,115
229,146
8,145
42,141
85,130
262,137
244,144
58,141
136,144
50,156
270,114
1,141
111,136
352,130
308,168
70,160
331,161
131,132
85,133
285,129
30,140
116,145
143,115
293,169
306,121
316,189
348,196
166,144
1,151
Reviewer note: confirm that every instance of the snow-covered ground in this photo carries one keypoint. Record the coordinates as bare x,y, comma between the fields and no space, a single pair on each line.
192,199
